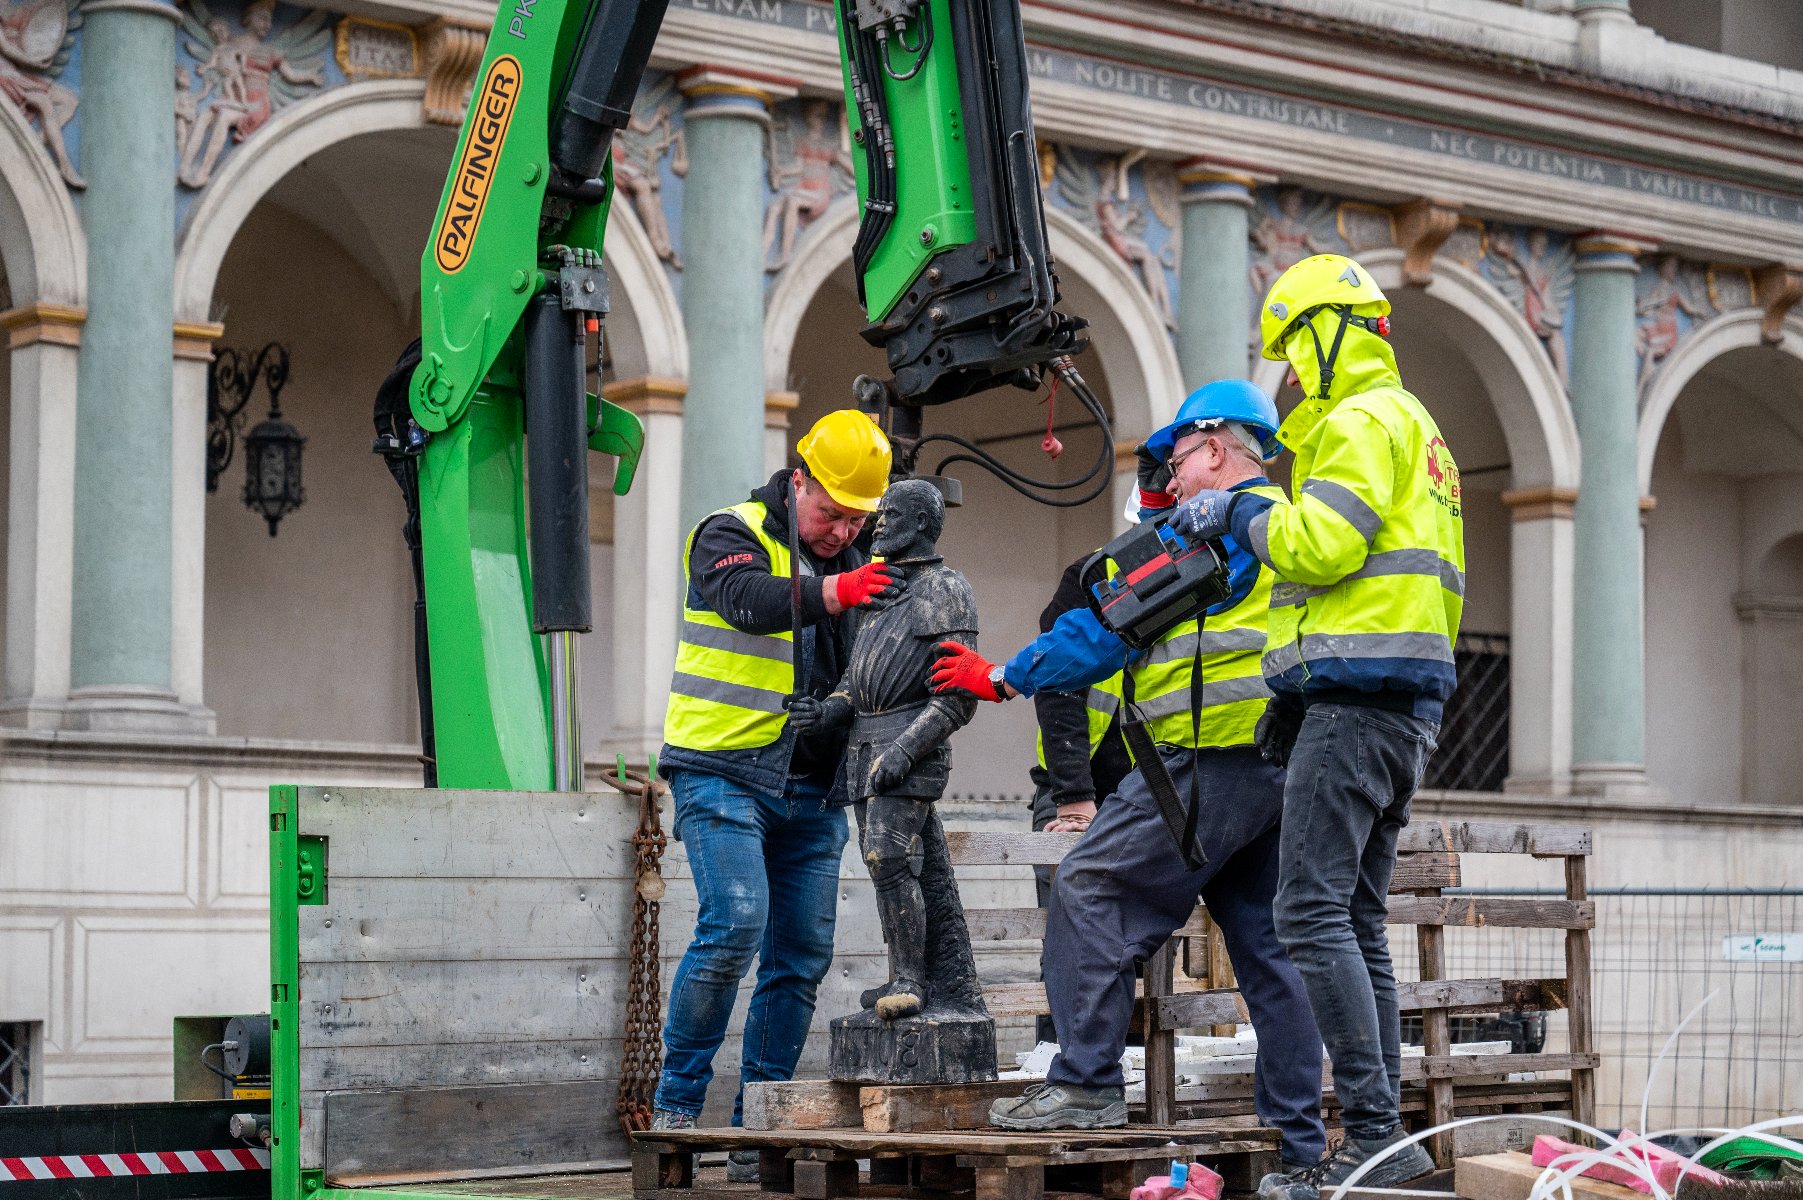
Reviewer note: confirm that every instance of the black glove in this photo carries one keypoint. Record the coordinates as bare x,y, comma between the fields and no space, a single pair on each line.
1278,728
1154,479
809,715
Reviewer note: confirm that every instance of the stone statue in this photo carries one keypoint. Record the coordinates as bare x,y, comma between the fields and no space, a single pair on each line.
928,1023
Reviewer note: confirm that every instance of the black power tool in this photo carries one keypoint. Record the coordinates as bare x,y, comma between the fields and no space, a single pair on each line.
1154,577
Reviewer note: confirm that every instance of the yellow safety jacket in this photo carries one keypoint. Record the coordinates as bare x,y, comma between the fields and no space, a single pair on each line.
1234,691
1102,703
728,688
1370,557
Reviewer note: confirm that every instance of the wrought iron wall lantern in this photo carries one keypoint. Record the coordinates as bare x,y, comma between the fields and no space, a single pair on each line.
272,449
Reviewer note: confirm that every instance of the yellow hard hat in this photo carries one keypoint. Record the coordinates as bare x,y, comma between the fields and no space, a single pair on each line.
849,456
1322,279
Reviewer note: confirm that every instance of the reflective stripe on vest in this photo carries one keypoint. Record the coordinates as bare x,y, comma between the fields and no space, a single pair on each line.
1233,684
1102,703
728,687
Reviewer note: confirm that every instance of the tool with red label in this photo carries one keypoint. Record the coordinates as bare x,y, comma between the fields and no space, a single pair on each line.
1155,577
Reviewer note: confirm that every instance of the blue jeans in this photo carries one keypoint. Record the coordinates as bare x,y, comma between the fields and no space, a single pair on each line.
1352,774
1124,890
766,869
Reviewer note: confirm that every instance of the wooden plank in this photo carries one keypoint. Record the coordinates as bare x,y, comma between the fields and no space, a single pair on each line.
1459,1066
826,1180
365,1068
1194,1009
1436,1037
446,833
1160,1042
423,1004
1005,924
1120,1178
1512,1176
1028,999
1010,1183
932,1107
1579,1021
1425,869
427,1133
1476,911
801,1104
1494,837
993,1143
453,920
1009,849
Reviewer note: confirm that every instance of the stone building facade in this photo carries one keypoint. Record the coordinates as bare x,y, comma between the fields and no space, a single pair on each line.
1589,215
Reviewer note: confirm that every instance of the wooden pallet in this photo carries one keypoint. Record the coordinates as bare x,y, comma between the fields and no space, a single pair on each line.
823,1164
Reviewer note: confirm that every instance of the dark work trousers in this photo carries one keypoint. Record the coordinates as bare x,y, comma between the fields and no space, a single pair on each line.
1124,890
1352,774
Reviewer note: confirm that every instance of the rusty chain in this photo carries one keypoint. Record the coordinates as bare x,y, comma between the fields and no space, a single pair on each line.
641,1059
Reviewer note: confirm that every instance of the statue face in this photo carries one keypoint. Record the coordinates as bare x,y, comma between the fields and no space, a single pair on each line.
908,520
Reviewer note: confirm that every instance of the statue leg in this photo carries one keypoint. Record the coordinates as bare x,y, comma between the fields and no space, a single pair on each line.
889,829
951,966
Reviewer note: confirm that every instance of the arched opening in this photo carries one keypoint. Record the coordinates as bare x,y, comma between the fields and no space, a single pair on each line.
1012,549
1471,360
1723,597
308,635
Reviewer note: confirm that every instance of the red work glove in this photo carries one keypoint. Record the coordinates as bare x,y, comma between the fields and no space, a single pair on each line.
859,587
962,669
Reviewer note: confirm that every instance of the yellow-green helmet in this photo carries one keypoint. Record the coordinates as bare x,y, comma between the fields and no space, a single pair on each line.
1323,279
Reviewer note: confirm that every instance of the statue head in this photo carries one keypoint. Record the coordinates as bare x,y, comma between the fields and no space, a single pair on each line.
259,18
909,521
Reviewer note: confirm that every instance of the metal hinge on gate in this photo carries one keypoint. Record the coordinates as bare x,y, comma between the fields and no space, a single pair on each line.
310,869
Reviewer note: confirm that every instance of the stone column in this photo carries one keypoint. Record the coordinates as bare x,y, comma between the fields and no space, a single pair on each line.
1214,290
648,575
1608,741
1540,623
120,670
194,342
44,342
725,123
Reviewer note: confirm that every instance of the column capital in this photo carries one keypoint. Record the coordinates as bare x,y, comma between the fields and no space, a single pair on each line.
1209,180
778,406
194,339
1541,503
648,395
150,8
713,90
1421,226
1611,250
29,324
1777,287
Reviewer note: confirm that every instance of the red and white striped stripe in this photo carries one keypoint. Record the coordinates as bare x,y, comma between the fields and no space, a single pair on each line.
103,1166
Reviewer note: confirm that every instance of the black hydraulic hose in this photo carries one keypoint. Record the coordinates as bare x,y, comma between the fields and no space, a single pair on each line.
920,52
1026,485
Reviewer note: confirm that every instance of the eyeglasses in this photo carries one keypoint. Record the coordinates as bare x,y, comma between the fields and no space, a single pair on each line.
1175,462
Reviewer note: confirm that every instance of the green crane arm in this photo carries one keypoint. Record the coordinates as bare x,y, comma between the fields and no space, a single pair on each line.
952,264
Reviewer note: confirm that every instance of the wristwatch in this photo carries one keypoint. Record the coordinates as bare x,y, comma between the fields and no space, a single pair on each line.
998,681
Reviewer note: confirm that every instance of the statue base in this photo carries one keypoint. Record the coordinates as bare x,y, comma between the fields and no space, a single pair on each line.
937,1046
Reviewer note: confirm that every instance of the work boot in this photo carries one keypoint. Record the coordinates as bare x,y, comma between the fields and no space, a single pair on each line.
1061,1106
1308,1183
742,1166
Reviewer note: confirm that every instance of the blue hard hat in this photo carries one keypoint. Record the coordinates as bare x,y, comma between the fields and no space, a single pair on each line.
1238,400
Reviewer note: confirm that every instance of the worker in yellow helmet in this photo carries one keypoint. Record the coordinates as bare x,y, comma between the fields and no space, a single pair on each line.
754,802
1370,566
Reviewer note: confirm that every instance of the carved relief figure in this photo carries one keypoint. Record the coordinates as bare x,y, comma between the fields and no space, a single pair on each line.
1104,203
36,37
809,165
244,77
1285,236
1537,280
639,151
1656,331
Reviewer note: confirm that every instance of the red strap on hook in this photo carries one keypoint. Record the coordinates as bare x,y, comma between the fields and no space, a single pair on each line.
1050,443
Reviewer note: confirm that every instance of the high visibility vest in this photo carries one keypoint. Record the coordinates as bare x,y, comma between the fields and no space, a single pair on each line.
728,688
1102,703
1371,556
1234,691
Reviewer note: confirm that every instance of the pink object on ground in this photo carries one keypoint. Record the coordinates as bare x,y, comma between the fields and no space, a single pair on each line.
1666,1166
1201,1184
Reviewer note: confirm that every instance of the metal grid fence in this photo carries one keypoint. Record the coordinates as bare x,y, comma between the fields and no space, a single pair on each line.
1473,754
1656,954
15,1062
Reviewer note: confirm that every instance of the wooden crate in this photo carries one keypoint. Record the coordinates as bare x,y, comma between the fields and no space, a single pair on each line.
1438,1086
823,1164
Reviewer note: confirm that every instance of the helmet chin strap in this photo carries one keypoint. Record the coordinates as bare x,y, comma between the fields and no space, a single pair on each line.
1324,362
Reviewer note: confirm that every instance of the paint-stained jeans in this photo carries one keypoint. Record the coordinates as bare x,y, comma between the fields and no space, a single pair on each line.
1352,775
766,869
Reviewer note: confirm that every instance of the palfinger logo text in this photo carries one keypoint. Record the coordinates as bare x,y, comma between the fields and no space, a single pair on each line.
493,105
